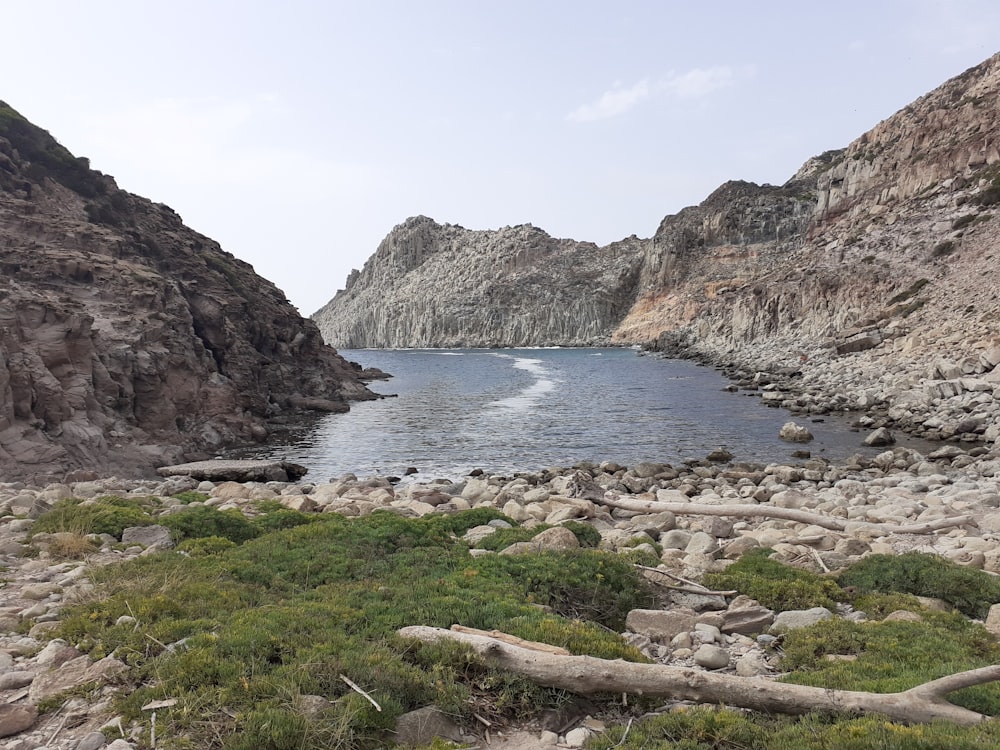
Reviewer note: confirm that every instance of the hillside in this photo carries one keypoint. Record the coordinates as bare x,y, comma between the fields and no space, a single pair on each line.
128,340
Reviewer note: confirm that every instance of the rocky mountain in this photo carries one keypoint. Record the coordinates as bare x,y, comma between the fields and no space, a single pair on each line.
128,340
432,285
872,274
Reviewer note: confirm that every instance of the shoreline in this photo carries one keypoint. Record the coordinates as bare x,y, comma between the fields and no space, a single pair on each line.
957,493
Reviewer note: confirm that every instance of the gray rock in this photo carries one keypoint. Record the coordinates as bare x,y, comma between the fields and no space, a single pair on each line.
880,437
236,471
92,741
421,726
711,657
746,616
799,618
795,433
16,718
659,624
156,536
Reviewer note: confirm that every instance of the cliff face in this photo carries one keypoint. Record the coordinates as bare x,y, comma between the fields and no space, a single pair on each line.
438,285
905,211
127,340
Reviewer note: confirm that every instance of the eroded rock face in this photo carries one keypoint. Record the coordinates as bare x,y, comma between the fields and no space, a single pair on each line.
128,340
432,284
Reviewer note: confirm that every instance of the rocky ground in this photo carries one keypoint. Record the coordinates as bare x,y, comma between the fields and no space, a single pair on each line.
957,489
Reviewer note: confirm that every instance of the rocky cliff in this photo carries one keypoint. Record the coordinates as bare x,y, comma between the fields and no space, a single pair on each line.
128,340
906,202
431,284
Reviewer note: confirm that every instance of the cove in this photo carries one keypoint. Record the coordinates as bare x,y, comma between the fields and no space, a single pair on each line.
509,410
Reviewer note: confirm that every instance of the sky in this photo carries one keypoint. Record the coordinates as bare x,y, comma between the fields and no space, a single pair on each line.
299,133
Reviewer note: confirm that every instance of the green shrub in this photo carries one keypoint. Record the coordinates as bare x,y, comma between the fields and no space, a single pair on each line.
105,515
777,586
894,656
205,545
205,521
970,591
190,496
285,518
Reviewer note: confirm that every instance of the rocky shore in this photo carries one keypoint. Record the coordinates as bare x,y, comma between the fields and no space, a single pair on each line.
955,492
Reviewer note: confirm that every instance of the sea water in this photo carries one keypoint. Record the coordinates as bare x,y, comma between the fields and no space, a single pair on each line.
507,410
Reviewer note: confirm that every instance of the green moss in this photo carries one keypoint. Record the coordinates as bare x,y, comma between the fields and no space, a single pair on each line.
777,586
970,591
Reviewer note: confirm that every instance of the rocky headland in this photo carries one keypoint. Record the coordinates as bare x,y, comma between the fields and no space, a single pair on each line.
441,285
867,282
128,340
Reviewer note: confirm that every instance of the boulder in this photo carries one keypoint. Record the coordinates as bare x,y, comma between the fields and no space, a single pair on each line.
795,433
880,437
219,470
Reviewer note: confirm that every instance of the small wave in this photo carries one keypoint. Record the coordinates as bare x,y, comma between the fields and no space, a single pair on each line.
451,354
527,398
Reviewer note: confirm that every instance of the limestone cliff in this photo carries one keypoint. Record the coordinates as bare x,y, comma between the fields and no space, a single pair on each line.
438,285
127,339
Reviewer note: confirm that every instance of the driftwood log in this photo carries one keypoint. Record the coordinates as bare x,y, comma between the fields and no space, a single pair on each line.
588,675
748,510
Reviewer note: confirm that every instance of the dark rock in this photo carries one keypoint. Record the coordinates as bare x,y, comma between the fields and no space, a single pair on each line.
129,340
220,470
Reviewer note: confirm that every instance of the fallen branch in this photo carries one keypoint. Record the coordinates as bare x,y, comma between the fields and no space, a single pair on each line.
746,510
588,675
689,587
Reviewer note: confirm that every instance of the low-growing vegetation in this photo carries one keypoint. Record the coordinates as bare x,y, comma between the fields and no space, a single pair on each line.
249,622
777,586
970,591
239,631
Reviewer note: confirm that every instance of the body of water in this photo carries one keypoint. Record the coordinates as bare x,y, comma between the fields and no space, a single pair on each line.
527,409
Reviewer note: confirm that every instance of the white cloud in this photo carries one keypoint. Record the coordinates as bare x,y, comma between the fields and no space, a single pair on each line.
696,83
612,103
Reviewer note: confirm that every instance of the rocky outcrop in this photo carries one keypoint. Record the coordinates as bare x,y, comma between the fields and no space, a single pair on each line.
438,285
128,340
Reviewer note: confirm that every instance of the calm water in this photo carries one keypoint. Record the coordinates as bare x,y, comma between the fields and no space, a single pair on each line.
526,409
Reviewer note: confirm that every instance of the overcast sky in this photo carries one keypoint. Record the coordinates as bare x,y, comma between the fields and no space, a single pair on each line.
298,133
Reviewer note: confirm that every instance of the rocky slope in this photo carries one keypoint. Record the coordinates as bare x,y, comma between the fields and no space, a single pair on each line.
128,340
431,285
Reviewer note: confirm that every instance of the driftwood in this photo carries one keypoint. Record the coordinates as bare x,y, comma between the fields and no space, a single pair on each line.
788,514
588,675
